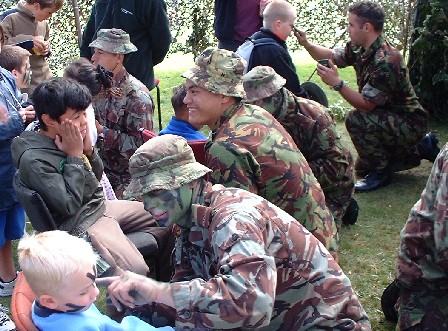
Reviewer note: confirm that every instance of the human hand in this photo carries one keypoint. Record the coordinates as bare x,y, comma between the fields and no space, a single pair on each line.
27,113
39,44
114,270
87,142
99,127
329,75
301,36
129,289
69,140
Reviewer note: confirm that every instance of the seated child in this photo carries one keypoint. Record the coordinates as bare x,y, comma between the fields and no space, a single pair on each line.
179,124
60,269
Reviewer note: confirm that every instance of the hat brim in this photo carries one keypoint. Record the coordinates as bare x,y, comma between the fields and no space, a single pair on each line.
111,47
164,180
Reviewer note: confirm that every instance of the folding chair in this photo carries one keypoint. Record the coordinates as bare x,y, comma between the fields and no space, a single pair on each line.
198,146
42,220
159,111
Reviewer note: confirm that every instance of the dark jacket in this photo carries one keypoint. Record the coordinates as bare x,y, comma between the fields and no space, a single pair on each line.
277,57
67,185
225,14
147,24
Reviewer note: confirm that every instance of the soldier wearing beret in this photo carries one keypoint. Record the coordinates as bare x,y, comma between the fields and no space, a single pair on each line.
314,132
249,148
121,110
240,261
388,124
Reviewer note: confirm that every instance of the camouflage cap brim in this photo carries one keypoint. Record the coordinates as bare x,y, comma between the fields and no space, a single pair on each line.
111,47
201,78
166,178
262,82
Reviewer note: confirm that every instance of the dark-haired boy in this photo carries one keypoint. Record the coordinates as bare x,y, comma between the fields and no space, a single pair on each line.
388,124
59,162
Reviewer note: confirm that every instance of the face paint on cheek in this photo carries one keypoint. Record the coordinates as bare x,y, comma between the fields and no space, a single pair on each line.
75,308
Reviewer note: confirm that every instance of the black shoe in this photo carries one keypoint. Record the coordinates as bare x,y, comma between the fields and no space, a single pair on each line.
388,300
375,179
351,213
428,147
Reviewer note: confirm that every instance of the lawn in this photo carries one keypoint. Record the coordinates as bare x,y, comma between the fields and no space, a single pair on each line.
368,248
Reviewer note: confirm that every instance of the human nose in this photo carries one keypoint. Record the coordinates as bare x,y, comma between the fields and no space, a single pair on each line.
187,99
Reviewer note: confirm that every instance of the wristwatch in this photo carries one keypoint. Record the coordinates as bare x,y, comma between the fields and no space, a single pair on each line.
339,86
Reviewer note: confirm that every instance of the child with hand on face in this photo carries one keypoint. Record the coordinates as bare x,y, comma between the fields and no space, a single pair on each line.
60,269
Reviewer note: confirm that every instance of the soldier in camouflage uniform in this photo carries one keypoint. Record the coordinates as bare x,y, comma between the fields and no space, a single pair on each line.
422,265
249,149
240,261
388,123
121,110
314,132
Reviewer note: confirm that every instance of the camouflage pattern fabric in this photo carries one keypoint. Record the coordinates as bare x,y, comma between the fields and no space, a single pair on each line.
314,132
245,263
252,151
422,263
123,109
218,71
115,41
398,122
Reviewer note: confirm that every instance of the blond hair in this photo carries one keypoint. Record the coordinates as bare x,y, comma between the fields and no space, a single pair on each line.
50,259
278,10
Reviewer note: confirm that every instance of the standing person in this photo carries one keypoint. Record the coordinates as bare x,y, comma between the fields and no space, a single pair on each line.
314,132
240,261
122,110
12,215
278,19
60,163
249,149
388,124
147,24
60,269
422,264
235,20
179,123
29,22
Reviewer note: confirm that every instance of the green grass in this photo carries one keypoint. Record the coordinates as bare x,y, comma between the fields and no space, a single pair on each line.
368,248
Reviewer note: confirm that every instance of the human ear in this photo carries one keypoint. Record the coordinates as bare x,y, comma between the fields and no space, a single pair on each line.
48,301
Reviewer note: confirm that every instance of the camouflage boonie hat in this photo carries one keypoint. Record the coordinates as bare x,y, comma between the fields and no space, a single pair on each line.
163,163
262,82
219,71
115,41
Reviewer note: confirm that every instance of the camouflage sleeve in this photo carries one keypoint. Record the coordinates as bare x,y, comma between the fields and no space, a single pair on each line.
424,244
343,56
137,113
242,294
233,166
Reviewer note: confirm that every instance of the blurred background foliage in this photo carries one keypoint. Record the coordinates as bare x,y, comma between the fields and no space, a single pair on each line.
325,21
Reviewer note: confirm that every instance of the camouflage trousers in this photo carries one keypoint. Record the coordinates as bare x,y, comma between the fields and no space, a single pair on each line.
386,139
423,310
118,181
337,180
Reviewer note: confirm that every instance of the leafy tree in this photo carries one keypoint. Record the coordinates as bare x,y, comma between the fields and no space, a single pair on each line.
428,61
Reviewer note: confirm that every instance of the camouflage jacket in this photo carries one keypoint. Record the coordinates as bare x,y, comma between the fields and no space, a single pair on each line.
252,151
314,132
382,75
245,263
422,257
123,110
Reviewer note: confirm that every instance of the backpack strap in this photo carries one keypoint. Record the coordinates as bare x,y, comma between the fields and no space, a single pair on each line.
260,42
